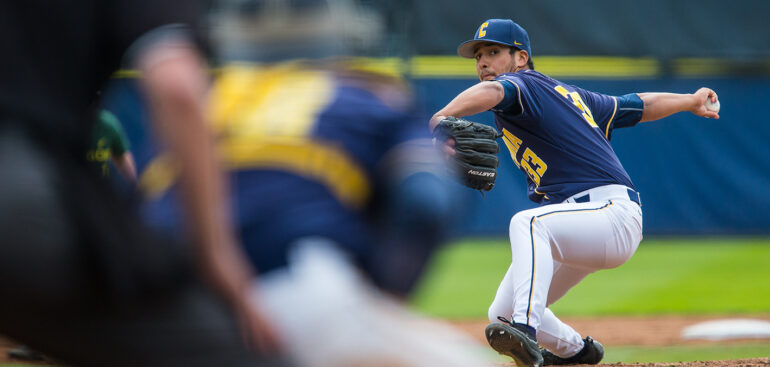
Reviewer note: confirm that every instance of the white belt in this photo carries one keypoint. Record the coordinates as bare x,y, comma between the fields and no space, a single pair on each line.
605,193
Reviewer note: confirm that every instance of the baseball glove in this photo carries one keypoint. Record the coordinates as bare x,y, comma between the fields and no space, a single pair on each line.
475,162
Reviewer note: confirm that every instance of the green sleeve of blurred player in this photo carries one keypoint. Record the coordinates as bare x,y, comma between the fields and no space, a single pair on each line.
112,129
107,141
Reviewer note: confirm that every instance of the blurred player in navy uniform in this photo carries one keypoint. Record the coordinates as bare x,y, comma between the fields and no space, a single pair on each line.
80,278
336,184
591,217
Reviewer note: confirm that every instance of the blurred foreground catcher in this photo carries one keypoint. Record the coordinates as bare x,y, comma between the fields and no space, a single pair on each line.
80,279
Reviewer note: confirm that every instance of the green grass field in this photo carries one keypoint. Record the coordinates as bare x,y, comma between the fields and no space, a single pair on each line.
665,276
691,276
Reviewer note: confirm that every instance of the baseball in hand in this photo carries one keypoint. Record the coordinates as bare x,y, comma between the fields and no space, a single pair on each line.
712,106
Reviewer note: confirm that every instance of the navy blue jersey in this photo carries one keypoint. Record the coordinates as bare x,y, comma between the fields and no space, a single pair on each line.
558,134
305,149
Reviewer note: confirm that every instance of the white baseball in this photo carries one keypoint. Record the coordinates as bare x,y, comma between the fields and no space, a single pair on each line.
712,106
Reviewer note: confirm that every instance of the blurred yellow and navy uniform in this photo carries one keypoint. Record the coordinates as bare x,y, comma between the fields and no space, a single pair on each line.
321,153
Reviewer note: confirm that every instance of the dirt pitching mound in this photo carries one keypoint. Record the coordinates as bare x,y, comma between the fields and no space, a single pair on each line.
639,331
731,363
610,331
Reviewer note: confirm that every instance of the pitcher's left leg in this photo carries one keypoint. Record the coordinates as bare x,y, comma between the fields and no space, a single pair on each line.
503,302
558,337
541,235
563,342
555,335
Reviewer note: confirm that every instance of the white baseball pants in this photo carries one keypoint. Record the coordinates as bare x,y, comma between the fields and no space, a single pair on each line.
553,248
329,315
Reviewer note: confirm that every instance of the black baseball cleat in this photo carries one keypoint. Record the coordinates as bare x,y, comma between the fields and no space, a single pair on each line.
592,353
515,341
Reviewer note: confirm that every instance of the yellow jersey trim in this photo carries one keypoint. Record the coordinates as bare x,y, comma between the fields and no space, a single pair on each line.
314,160
158,177
607,130
541,193
534,262
319,162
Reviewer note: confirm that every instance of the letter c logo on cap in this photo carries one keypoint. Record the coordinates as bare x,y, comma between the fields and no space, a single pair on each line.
483,30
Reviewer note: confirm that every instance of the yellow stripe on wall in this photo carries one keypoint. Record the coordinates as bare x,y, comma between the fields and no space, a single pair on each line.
598,67
391,66
442,67
711,67
591,67
556,66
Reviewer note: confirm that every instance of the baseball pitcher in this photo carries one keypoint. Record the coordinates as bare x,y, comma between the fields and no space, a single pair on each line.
591,216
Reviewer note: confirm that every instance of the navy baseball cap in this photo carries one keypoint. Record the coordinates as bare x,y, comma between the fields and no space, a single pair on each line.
502,31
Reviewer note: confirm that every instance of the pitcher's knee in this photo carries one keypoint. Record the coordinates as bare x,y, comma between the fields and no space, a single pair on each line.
621,254
614,262
618,259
